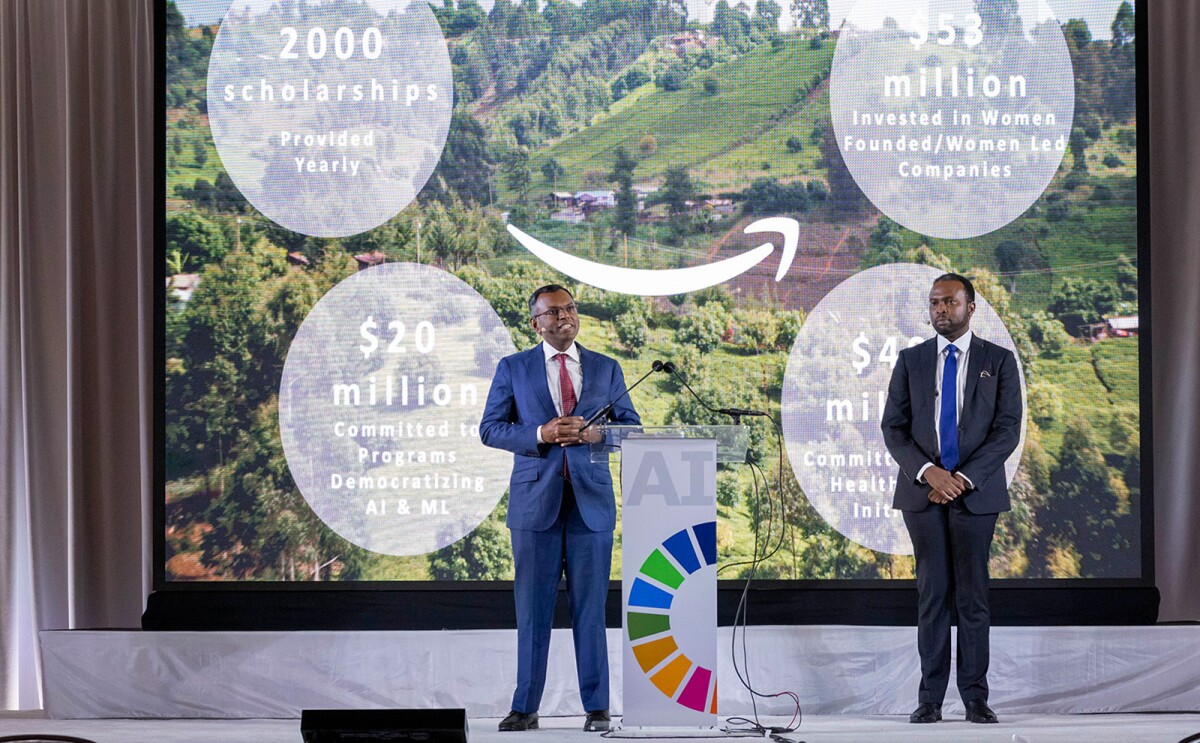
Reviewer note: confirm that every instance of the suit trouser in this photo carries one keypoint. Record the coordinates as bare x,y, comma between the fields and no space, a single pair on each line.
951,546
540,559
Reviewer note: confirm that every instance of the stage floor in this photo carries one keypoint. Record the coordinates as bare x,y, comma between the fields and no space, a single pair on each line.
1167,728
848,672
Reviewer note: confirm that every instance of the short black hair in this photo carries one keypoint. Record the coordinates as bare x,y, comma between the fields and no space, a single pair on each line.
547,289
967,286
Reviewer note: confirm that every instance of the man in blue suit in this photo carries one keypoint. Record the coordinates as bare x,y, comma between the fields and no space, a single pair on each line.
561,509
952,418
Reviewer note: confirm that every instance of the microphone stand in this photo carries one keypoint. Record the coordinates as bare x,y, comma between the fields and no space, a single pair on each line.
735,413
656,366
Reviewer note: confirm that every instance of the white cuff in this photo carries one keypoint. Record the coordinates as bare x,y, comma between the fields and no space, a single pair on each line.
921,472
539,435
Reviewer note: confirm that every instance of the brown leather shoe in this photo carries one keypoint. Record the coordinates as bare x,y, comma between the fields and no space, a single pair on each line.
518,721
978,711
926,712
597,721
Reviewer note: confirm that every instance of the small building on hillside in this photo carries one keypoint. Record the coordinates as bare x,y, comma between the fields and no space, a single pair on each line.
1112,327
368,260
591,202
181,286
1122,327
605,199
688,41
570,215
719,206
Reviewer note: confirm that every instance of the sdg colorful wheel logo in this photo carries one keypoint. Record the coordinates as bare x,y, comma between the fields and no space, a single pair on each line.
648,616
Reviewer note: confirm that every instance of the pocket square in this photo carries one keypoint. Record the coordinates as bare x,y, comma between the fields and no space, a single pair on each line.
984,374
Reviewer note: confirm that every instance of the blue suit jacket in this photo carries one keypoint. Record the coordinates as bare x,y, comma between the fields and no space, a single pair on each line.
518,402
988,432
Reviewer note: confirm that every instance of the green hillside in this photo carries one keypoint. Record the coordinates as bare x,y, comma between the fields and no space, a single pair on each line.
188,136
762,99
1096,381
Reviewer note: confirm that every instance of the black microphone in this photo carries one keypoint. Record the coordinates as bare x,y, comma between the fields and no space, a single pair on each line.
737,412
656,366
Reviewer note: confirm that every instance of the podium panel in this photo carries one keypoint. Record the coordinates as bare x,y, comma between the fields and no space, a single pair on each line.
669,585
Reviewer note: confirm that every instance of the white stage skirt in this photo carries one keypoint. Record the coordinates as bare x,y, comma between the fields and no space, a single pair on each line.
834,670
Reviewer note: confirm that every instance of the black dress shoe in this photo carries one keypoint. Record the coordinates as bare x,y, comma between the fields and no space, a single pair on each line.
926,712
519,721
978,711
597,721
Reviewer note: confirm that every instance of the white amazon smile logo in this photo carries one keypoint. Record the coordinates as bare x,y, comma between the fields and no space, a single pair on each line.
667,281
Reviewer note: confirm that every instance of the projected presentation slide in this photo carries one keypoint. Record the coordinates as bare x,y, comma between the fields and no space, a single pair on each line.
361,196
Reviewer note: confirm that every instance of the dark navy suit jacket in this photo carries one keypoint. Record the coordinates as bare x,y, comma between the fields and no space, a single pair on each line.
989,425
519,401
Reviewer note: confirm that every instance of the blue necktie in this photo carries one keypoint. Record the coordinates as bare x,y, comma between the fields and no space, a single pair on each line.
948,421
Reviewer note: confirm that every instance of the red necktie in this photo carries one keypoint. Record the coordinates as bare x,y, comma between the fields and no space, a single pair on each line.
568,400
565,386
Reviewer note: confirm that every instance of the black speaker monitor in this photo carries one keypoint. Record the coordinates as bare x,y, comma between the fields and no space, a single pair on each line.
360,725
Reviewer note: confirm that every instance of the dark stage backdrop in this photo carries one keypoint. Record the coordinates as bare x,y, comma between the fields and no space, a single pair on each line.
359,197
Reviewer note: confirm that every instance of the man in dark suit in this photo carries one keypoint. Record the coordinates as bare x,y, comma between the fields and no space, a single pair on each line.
561,509
952,418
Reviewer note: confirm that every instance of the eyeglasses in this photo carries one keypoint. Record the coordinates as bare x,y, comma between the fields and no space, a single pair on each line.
558,312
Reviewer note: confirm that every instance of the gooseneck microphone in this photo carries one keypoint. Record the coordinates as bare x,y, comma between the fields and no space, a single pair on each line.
655,367
735,413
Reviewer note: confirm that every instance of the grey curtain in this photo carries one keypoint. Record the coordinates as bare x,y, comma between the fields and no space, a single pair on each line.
1175,300
76,375
76,249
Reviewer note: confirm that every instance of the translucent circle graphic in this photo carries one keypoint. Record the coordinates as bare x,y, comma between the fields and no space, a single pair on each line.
329,115
835,387
379,409
952,115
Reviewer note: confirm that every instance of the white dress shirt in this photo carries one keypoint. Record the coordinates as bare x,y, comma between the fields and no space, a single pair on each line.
574,371
963,344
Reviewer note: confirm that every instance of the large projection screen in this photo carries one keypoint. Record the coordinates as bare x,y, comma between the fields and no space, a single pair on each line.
358,196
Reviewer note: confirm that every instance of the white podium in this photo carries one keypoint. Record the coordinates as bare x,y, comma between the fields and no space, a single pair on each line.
669,568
